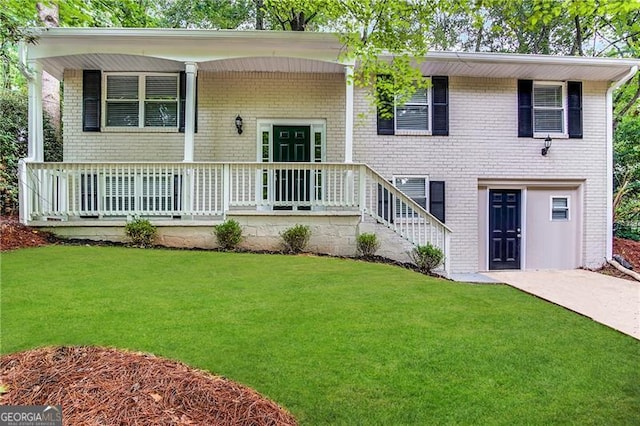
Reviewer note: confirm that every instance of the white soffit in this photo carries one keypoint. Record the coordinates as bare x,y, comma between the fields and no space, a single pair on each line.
271,64
534,67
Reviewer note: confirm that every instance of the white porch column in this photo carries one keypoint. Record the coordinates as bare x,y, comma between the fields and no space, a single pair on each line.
348,119
191,69
36,134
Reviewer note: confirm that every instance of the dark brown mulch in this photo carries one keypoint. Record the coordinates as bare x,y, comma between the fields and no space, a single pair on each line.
14,235
628,249
113,387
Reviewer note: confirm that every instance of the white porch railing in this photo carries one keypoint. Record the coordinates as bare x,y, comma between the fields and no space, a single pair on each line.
65,191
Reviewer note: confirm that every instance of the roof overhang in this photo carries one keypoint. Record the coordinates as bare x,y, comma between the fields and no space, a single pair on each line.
150,49
167,50
533,67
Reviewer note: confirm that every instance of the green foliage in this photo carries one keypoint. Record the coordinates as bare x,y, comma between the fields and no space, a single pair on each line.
13,146
630,231
229,234
626,172
208,14
141,232
427,257
296,238
367,244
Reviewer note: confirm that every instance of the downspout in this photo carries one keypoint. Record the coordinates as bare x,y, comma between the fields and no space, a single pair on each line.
609,106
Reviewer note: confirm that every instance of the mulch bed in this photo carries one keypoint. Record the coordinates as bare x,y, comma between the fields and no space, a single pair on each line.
101,386
14,235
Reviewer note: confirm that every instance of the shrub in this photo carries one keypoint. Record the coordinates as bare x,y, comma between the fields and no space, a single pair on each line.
141,232
229,234
427,257
13,146
295,239
368,244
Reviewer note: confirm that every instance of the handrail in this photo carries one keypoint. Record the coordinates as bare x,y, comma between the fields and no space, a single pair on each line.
188,189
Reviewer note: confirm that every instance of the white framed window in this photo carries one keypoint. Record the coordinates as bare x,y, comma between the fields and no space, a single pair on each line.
416,188
141,100
560,208
549,109
414,116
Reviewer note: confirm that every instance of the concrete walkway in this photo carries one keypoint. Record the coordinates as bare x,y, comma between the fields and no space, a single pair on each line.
611,301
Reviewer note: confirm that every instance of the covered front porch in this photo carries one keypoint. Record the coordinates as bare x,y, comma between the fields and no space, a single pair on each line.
183,194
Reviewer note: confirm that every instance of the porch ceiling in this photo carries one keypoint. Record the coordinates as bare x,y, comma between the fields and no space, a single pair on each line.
110,62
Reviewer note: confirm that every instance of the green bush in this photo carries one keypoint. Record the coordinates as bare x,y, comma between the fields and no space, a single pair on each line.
427,257
368,244
141,232
627,231
229,234
13,146
295,239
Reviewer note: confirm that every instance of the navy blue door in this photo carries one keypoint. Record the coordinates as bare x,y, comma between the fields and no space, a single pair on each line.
504,229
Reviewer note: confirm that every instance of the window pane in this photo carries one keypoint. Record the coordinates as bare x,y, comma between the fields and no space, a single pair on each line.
414,188
560,203
547,96
419,97
559,214
161,87
122,114
549,121
122,87
161,114
412,118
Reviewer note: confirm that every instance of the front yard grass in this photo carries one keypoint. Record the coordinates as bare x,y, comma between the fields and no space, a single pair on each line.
335,341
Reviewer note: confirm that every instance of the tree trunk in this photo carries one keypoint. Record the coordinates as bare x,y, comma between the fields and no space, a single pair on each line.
259,14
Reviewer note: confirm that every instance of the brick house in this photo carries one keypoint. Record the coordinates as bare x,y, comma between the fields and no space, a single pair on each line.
189,127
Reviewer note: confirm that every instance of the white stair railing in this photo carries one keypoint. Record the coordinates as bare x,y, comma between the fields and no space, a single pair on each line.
96,190
389,206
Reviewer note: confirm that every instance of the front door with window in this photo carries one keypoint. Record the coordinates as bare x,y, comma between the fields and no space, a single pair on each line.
292,187
504,229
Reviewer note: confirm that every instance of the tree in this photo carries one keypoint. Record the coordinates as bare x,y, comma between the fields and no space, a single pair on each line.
208,14
626,199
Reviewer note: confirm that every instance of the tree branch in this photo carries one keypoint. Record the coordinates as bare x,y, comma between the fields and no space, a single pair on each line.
578,35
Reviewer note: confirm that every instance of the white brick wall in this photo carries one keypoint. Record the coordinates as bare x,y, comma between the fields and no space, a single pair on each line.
221,97
483,144
482,141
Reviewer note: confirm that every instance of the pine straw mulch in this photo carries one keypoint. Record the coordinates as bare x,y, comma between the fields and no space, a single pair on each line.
102,386
14,235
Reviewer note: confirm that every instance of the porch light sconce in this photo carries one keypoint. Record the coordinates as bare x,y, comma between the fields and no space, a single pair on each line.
547,146
239,124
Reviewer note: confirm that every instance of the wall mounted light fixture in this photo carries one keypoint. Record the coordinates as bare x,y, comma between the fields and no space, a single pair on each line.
547,146
239,124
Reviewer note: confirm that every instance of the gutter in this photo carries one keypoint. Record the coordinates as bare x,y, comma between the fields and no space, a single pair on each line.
609,137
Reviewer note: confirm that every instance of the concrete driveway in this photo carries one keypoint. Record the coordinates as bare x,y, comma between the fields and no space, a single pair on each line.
611,301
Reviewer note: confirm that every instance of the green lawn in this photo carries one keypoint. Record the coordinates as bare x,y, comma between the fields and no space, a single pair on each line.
335,341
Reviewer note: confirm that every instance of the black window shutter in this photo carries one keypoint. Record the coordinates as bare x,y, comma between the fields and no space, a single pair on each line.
183,102
436,199
574,92
525,108
440,105
386,125
91,98
385,204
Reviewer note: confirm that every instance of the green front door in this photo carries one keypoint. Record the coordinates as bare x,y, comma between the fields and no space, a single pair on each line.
292,144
